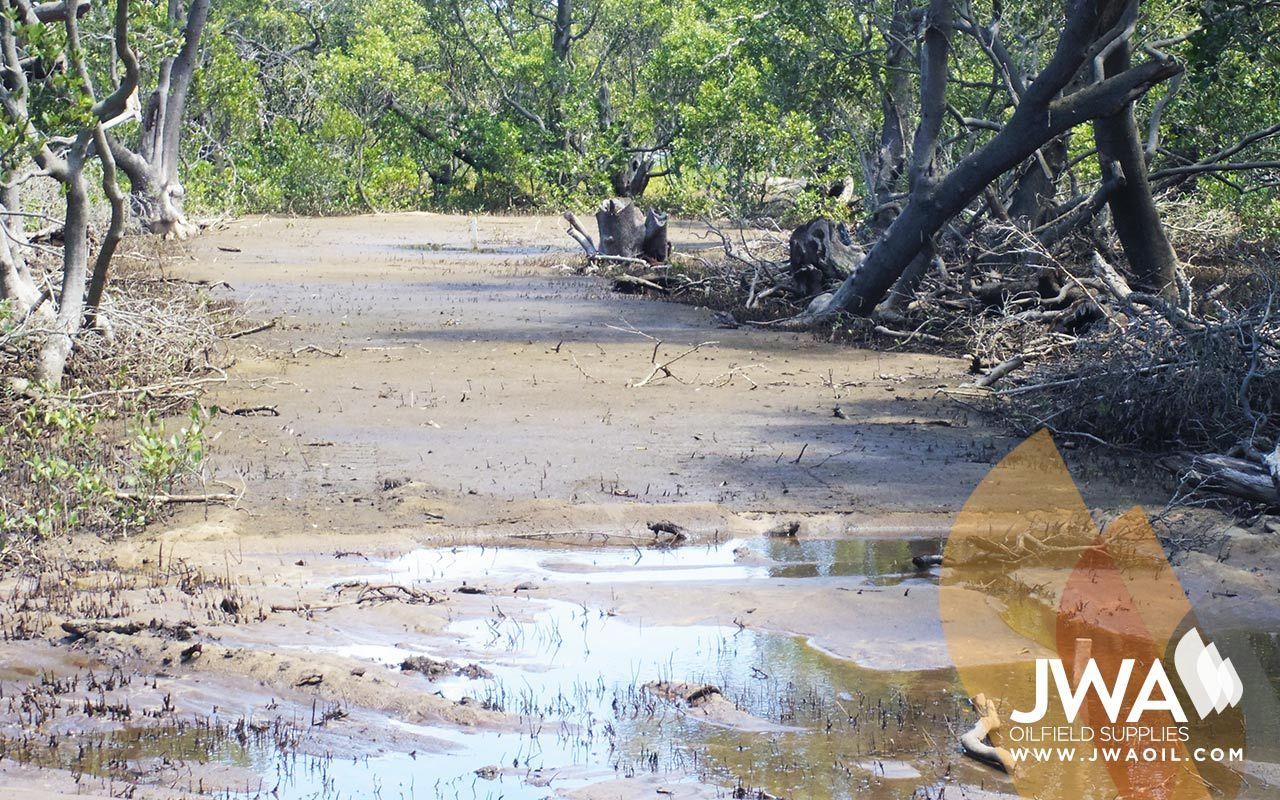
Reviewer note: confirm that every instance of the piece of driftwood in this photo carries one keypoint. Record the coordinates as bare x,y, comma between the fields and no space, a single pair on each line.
667,533
1001,370
1237,477
580,235
784,530
975,741
926,562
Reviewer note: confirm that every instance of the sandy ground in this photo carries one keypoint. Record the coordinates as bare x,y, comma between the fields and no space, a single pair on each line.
431,387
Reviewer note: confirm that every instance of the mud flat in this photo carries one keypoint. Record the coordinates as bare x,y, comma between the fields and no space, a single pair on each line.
444,580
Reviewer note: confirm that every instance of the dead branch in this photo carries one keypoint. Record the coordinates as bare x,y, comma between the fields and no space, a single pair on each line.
975,741
266,326
663,369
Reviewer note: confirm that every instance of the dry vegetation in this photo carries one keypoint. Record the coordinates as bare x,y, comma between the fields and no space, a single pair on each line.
101,457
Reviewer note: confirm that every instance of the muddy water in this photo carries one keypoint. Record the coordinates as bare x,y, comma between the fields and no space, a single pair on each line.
580,680
583,688
883,561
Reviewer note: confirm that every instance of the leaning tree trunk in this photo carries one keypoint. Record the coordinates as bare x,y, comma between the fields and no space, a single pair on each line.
1039,118
1133,209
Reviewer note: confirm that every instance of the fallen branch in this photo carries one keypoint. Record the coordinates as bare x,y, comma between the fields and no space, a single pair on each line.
664,369
1001,370
253,411
580,235
166,497
634,280
266,326
975,740
311,348
1237,477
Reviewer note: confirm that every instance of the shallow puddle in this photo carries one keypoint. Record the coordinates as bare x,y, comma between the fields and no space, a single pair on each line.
786,718
880,561
576,677
793,721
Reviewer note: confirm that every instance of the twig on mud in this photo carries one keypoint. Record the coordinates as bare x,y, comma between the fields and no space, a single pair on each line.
266,326
166,497
664,369
369,593
253,411
907,336
585,374
311,348
155,389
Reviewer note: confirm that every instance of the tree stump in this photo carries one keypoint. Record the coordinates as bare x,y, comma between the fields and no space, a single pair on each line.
822,253
627,232
621,226
656,247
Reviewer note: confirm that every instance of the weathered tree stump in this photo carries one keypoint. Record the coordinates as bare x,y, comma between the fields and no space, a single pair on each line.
656,247
822,252
621,226
627,232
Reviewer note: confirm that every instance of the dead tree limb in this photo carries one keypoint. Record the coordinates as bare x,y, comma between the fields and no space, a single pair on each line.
975,741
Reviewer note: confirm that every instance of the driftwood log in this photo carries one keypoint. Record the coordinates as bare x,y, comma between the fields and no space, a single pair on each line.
976,743
1237,477
822,252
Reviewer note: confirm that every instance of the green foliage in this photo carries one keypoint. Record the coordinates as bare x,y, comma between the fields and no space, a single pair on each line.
292,108
64,476
727,95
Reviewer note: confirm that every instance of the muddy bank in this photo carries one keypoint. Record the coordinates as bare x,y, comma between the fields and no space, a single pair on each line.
443,578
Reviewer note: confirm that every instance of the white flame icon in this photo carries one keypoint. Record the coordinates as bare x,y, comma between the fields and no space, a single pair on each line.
1210,680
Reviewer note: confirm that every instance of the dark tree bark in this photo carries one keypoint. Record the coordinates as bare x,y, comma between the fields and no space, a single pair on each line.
1039,118
562,30
656,247
934,55
153,169
891,157
1033,195
621,226
935,52
1133,209
633,178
